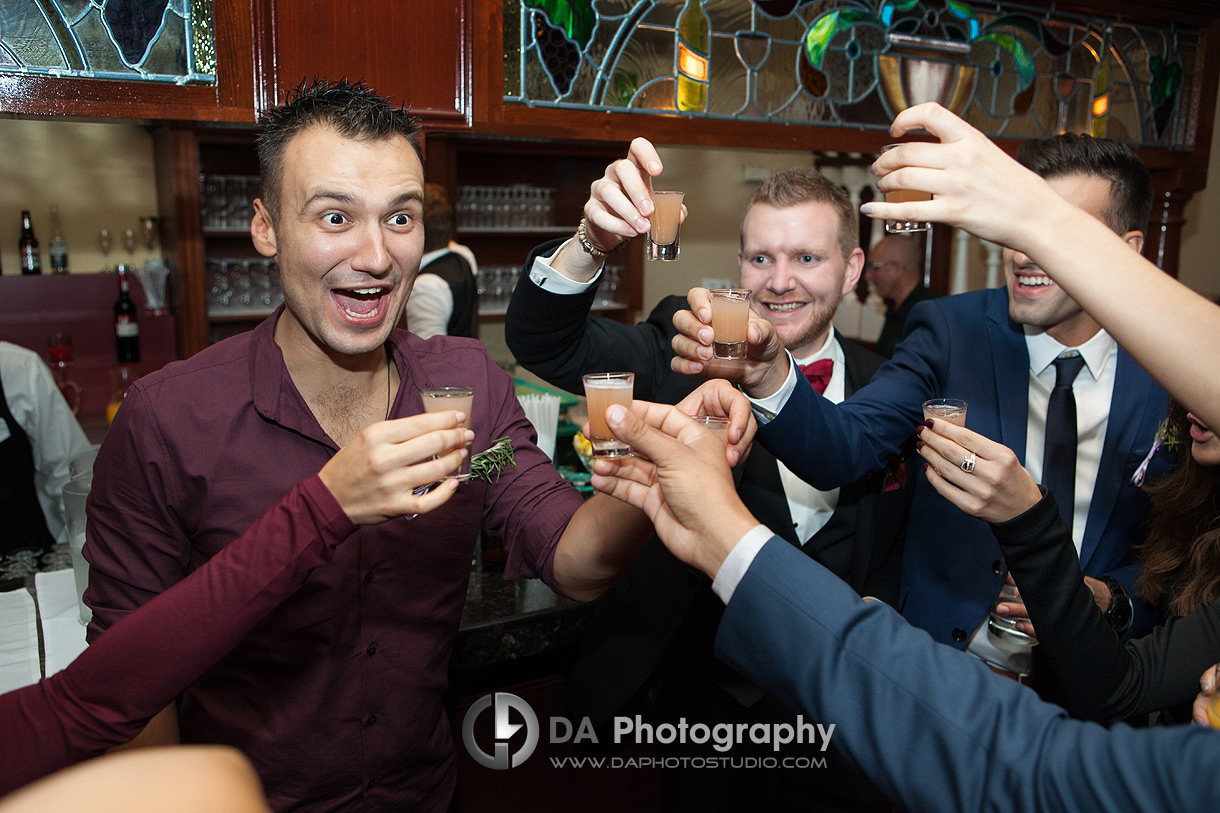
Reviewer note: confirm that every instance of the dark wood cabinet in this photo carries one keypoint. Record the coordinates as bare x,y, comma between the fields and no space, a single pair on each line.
231,98
416,53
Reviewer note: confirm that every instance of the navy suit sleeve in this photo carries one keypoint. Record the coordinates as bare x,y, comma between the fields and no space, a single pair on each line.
554,337
829,445
932,726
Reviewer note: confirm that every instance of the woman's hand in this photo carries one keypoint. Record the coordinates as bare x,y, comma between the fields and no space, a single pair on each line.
995,489
1207,686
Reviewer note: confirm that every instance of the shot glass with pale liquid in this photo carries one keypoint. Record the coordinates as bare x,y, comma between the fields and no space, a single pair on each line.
717,426
1213,701
457,399
905,196
663,225
730,318
602,391
952,410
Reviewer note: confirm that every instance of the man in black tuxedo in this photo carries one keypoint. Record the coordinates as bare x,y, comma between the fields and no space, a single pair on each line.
649,645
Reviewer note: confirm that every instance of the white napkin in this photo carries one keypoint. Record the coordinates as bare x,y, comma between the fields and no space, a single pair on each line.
18,640
63,636
543,413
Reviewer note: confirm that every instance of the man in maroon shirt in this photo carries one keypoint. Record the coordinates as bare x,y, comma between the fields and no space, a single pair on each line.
337,696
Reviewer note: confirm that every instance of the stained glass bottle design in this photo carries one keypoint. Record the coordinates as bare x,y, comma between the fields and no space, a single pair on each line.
692,55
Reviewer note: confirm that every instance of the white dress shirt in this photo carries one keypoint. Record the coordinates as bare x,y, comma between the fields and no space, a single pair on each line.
42,413
430,306
1093,390
811,509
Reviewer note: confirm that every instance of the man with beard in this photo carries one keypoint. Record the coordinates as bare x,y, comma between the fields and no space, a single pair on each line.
1002,351
649,645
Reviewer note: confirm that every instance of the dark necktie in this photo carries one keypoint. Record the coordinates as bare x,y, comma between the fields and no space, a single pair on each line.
1059,454
818,373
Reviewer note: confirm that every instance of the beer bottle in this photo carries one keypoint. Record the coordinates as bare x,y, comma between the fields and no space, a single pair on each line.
58,248
27,247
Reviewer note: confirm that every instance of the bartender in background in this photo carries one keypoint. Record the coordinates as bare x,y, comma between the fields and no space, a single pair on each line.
444,301
895,270
38,436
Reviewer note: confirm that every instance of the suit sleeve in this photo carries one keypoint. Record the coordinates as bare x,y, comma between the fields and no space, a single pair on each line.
107,695
1101,679
829,445
932,726
554,337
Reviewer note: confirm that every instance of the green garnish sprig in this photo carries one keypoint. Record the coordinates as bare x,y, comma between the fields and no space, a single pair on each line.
486,464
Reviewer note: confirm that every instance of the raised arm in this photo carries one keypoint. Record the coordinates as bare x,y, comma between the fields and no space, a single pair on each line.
977,187
931,725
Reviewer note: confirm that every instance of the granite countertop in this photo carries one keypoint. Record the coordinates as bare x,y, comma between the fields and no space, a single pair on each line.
501,622
506,620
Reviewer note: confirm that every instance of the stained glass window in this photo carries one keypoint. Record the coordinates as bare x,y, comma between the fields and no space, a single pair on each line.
148,40
1012,69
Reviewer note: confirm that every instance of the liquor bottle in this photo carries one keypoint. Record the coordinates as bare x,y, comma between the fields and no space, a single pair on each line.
126,328
58,248
693,52
27,247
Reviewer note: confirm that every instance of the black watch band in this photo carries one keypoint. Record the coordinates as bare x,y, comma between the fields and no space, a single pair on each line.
1120,611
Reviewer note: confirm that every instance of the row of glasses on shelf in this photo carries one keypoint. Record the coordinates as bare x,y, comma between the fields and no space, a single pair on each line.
226,202
243,286
519,206
495,284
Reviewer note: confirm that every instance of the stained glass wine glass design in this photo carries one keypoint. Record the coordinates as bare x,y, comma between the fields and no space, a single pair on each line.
1014,69
136,40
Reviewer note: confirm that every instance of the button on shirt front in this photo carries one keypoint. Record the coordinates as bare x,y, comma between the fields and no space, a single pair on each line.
199,452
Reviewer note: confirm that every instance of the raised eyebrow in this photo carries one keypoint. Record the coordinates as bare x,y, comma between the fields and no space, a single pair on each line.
324,196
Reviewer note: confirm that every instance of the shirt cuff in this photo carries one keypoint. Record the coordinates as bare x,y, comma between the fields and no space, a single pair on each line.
735,565
765,409
548,279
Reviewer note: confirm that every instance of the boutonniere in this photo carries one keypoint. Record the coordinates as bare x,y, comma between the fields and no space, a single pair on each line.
893,477
1166,438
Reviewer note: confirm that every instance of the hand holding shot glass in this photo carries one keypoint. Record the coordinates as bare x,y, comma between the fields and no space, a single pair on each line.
950,410
663,225
457,399
602,391
730,319
905,196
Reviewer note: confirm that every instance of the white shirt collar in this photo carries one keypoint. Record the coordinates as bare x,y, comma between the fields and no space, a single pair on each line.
826,351
1043,350
432,255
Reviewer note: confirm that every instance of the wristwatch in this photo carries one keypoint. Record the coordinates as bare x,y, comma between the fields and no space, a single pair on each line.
1120,611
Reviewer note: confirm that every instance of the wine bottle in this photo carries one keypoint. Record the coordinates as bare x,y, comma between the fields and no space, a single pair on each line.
27,247
126,327
58,248
692,55
1099,111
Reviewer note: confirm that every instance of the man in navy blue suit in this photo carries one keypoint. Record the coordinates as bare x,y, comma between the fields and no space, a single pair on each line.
932,727
997,350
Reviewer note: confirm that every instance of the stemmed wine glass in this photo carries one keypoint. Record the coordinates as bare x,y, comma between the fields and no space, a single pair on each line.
753,48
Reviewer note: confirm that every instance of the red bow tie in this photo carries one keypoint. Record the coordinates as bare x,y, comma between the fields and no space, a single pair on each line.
818,373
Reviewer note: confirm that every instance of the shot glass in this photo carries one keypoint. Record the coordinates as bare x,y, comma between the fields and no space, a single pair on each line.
730,317
663,225
952,410
1213,702
905,196
457,399
717,426
602,391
